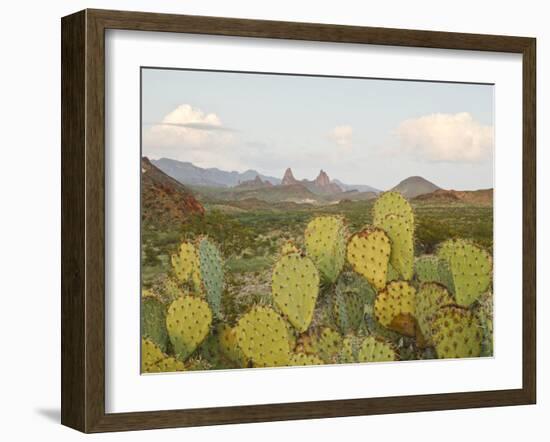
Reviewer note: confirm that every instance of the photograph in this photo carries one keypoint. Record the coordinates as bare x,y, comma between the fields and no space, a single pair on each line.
301,220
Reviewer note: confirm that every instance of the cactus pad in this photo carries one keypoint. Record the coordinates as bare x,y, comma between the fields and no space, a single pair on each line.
429,299
376,350
263,337
325,344
230,347
188,322
394,307
211,271
325,241
369,253
348,308
297,359
392,203
153,360
186,262
401,234
471,269
153,321
295,286
456,333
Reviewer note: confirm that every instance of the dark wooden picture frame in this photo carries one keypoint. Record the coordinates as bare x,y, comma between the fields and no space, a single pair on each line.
83,220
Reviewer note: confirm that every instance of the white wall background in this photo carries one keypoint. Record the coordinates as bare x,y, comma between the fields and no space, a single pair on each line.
30,217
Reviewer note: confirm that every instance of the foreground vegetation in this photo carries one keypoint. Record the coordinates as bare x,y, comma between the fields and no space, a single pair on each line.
224,267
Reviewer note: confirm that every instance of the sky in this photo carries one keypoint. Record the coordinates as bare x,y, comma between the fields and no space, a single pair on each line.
358,130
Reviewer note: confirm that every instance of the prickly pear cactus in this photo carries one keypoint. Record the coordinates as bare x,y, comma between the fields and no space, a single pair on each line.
211,271
392,203
297,359
394,214
153,321
325,344
186,264
262,335
153,360
426,268
456,333
369,253
325,241
188,322
349,349
401,235
376,350
429,299
394,307
471,268
229,345
484,313
392,275
288,248
348,307
295,286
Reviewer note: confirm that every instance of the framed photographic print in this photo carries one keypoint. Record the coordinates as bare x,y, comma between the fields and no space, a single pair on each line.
270,220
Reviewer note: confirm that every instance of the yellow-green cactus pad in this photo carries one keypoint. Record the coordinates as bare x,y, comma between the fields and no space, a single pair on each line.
349,350
229,345
153,321
211,273
429,299
376,350
295,286
186,262
324,343
401,234
394,307
153,360
392,203
456,333
188,322
297,359
325,241
262,335
369,254
471,269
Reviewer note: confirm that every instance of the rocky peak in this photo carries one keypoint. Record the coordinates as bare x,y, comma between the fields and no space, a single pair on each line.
322,179
288,178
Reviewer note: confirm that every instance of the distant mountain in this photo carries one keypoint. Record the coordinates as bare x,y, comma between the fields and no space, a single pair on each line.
163,199
188,173
414,186
482,197
256,183
358,187
319,186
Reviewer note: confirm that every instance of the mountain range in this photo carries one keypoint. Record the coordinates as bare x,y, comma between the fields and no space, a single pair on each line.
189,174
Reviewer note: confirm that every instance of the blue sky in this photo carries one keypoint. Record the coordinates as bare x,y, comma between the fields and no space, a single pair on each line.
361,131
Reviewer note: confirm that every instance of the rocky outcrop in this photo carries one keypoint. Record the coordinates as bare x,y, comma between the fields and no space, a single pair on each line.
288,178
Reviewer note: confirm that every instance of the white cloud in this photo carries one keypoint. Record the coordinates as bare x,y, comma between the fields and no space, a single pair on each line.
342,136
190,134
446,137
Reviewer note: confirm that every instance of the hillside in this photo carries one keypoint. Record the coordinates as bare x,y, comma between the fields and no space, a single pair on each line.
358,187
414,186
163,199
482,197
189,174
